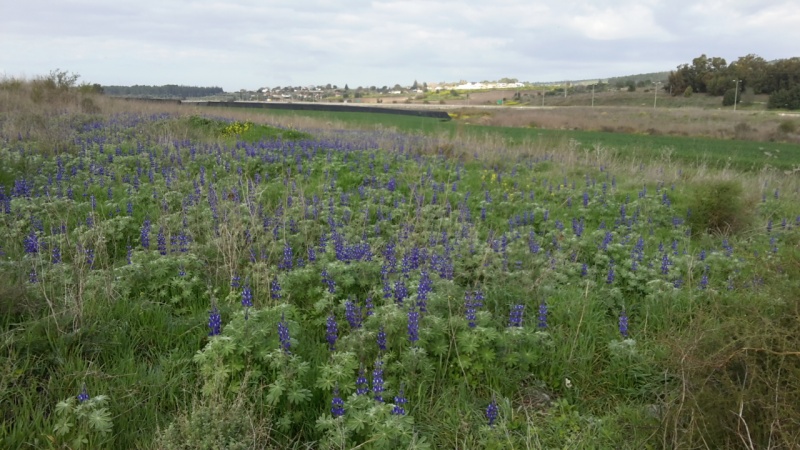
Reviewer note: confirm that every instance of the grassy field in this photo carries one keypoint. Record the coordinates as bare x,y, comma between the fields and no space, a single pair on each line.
698,150
176,278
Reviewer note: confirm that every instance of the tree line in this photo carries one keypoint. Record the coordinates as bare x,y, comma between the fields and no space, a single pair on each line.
165,91
780,79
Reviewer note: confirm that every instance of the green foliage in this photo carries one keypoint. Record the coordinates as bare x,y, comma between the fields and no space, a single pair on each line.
730,97
785,98
86,424
719,207
787,126
216,423
688,92
246,131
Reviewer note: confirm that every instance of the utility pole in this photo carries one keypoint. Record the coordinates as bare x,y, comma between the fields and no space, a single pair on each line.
592,96
655,97
736,94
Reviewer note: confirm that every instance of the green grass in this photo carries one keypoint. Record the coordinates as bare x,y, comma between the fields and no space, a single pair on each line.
717,153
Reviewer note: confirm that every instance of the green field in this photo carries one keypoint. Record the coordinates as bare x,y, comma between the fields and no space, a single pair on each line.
716,153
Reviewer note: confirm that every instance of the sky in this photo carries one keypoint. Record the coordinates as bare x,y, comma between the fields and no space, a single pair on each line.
243,44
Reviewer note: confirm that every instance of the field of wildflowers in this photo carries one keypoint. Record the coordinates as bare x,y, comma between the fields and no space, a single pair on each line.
258,287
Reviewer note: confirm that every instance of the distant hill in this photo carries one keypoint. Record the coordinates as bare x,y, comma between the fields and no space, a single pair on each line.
642,77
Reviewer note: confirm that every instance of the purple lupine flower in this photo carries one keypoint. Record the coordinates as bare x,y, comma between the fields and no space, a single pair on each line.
399,401
704,279
400,292
56,255
377,381
337,404
472,301
144,237
214,321
623,324
584,270
286,263
425,287
328,281
283,335
353,314
89,257
665,263
31,242
413,325
515,316
370,307
33,278
129,254
610,277
274,289
84,394
361,382
543,315
235,280
247,296
162,242
381,339
332,332
492,412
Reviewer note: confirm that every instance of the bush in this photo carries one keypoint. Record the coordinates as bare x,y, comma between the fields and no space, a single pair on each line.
688,92
718,207
730,97
787,127
215,424
785,99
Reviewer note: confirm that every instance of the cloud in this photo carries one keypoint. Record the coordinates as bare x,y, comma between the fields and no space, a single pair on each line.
252,43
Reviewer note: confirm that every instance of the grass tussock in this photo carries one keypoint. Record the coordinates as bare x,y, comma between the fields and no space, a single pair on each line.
719,206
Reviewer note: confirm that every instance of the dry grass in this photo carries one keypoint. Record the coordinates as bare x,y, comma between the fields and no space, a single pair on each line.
720,124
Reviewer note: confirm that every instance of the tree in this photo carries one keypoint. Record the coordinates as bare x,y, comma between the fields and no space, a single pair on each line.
785,98
415,86
731,97
783,74
752,71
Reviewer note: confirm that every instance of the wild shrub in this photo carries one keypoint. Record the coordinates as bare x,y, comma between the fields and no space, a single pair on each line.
718,207
787,127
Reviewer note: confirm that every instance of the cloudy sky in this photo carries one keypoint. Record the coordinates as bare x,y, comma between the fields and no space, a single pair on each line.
243,44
